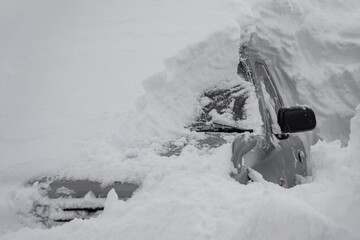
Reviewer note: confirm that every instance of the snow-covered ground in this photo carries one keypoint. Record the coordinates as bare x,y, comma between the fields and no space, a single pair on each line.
94,90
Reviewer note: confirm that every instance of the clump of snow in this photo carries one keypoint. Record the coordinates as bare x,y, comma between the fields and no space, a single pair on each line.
111,200
132,153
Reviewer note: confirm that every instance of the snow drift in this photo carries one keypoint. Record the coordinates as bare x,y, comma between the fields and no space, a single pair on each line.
312,48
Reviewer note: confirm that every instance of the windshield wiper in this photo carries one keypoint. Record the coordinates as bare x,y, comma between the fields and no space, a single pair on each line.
220,128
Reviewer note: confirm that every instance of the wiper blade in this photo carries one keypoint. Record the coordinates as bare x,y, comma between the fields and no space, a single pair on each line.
220,128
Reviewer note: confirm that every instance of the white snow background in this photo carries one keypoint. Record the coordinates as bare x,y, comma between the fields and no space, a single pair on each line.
93,89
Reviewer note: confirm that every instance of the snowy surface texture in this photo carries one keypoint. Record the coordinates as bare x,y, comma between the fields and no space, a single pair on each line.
94,90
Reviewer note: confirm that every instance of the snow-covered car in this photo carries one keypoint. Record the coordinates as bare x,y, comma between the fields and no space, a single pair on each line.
274,152
277,154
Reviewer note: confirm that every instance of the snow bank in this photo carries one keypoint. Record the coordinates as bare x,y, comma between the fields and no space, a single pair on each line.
70,72
123,148
313,49
198,199
336,177
59,118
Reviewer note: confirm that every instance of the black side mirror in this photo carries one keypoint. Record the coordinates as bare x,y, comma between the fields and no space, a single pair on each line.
296,119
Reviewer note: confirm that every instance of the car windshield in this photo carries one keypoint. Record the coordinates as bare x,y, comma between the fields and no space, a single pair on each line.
229,109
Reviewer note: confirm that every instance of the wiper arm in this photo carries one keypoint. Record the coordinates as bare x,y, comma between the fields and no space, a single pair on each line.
220,128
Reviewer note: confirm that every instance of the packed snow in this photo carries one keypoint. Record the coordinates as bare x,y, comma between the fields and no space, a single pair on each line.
95,90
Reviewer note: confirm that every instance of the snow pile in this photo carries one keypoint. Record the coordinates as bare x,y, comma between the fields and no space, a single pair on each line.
313,50
70,72
127,148
336,178
198,199
69,119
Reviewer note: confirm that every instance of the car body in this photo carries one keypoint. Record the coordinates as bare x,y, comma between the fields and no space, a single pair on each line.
274,152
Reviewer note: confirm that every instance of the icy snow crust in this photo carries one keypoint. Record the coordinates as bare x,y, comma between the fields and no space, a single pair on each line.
53,119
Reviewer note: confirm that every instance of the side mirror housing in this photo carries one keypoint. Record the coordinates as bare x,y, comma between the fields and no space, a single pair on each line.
296,119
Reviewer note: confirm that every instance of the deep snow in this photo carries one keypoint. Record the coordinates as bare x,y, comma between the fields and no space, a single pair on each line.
72,104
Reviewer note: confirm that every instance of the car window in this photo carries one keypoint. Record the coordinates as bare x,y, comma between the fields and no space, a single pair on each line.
223,105
235,106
